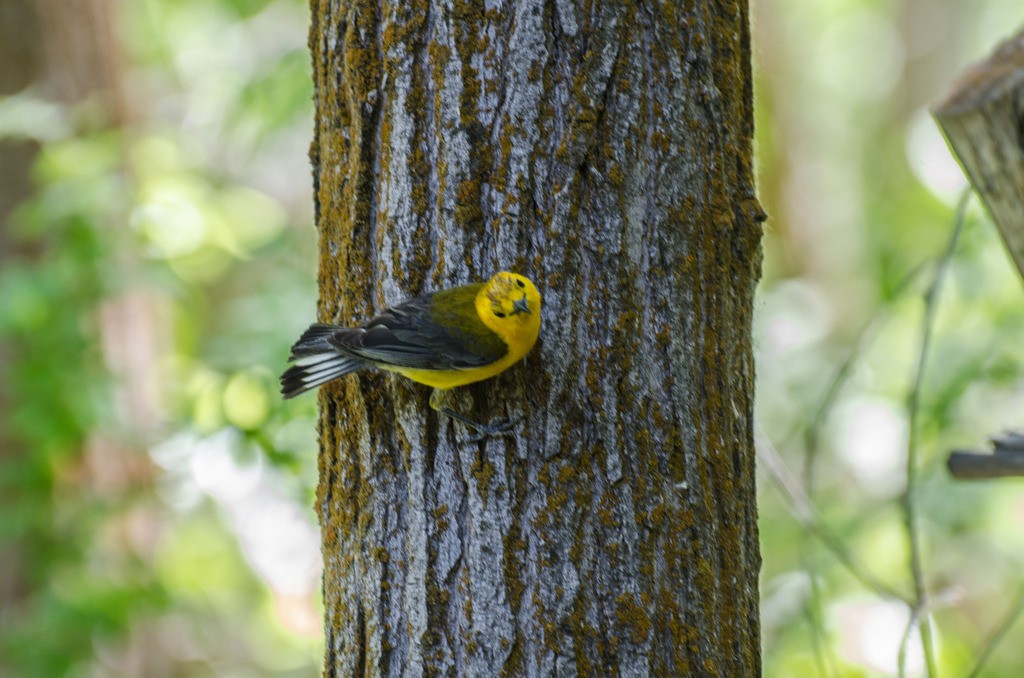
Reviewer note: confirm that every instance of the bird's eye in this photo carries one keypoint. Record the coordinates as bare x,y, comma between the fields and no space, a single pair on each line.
521,283
499,314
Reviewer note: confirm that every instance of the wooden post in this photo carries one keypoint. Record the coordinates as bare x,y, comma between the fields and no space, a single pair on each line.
983,120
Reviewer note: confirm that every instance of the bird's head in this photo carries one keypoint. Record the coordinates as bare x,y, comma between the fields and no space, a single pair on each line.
510,303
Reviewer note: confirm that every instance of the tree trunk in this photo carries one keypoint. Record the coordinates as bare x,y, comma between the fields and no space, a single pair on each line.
604,150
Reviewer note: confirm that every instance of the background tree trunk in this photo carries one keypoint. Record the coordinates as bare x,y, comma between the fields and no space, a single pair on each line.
21,63
604,150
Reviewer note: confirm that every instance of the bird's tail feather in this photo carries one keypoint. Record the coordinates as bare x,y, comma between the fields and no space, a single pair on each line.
313,340
316,362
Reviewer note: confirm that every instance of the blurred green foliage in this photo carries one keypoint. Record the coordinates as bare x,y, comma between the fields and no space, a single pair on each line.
862,190
156,490
149,292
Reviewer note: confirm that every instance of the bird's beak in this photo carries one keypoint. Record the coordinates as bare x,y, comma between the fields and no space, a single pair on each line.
520,306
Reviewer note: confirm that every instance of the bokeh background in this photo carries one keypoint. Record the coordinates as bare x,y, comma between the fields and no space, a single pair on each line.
157,258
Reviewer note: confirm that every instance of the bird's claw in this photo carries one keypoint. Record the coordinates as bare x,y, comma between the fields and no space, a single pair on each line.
496,427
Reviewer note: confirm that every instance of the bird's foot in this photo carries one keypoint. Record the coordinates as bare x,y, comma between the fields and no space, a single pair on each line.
495,427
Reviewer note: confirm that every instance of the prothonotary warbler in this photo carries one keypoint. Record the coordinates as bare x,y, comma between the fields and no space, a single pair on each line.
445,339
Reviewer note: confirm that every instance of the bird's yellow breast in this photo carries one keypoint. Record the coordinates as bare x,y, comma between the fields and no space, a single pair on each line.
445,379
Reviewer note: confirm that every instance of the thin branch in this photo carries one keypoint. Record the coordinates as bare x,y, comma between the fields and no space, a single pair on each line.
812,437
812,448
998,634
919,613
901,658
805,512
813,610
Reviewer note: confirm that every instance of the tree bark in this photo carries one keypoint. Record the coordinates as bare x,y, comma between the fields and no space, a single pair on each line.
604,150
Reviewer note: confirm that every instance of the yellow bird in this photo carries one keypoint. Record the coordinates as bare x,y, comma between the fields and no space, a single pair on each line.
445,339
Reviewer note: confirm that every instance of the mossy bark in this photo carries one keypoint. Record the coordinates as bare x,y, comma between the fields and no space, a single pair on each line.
604,150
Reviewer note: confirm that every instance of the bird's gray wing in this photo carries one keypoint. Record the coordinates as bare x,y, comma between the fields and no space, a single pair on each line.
433,332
